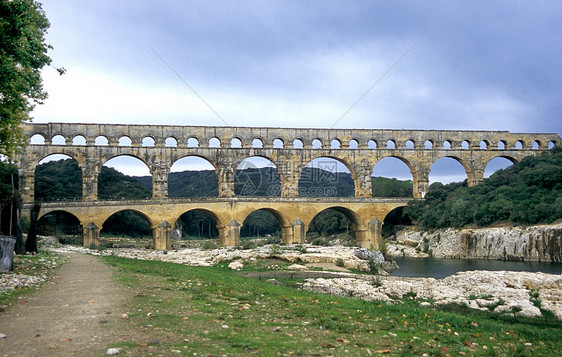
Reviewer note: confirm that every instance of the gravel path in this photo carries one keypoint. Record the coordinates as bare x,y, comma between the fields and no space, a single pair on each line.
74,314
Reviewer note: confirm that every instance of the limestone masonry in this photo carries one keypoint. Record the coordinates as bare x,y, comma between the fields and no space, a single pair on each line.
290,149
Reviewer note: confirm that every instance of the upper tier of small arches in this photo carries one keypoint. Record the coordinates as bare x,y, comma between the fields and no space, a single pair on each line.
279,138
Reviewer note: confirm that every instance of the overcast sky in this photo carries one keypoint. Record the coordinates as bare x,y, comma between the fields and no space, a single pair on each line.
483,65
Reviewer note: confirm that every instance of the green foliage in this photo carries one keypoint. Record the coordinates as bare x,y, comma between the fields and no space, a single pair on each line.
129,223
329,222
8,176
58,180
113,185
391,187
192,184
340,262
529,192
199,224
23,52
260,223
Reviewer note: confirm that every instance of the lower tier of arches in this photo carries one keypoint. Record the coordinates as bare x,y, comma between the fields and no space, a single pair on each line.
293,214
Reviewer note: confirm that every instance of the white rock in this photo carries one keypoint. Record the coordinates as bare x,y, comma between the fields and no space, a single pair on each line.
512,287
236,265
112,351
297,267
2,335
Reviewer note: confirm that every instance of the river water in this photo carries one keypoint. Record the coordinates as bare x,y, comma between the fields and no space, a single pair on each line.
440,268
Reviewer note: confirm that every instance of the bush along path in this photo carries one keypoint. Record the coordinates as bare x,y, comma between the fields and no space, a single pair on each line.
75,313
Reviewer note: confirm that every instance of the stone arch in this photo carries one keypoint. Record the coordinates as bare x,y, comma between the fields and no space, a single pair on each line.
278,143
551,144
537,145
353,144
335,144
122,163
117,154
192,142
121,219
190,222
148,141
410,144
447,145
236,143
257,143
314,173
391,220
60,222
333,224
101,140
58,177
465,145
372,144
298,144
201,172
171,142
496,163
519,145
125,141
215,142
257,175
79,140
58,140
316,144
37,139
391,144
467,169
484,144
389,166
245,230
428,144
502,145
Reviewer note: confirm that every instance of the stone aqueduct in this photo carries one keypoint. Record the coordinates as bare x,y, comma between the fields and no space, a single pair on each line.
290,149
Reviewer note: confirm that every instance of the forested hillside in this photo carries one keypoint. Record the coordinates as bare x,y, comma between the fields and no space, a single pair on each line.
528,192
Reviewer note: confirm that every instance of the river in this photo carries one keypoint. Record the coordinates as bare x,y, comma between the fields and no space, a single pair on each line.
440,268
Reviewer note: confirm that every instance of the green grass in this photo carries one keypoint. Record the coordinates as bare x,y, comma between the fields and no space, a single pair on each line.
40,264
212,311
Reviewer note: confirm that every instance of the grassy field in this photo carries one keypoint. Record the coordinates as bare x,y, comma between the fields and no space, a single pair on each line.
182,310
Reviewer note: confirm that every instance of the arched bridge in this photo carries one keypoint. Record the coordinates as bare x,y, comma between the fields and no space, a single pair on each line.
290,149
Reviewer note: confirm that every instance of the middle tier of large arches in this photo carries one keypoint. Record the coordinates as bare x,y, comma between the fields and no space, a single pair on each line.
288,163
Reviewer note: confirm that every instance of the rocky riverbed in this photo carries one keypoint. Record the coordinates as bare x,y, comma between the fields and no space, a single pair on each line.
485,290
349,257
498,291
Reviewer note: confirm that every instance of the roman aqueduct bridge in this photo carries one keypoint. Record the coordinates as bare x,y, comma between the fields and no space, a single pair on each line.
290,149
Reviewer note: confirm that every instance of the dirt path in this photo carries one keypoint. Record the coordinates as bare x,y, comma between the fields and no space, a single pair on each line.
74,314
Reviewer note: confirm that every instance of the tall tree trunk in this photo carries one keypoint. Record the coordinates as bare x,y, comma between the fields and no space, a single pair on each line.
16,222
31,242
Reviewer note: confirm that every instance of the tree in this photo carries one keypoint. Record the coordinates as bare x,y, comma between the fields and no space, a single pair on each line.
23,52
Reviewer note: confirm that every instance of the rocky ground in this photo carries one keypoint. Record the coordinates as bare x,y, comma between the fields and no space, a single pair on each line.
498,291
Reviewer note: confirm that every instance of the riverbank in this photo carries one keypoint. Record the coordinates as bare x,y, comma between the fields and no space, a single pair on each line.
477,289
541,243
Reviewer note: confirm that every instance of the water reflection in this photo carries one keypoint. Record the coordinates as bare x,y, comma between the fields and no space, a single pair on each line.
440,268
